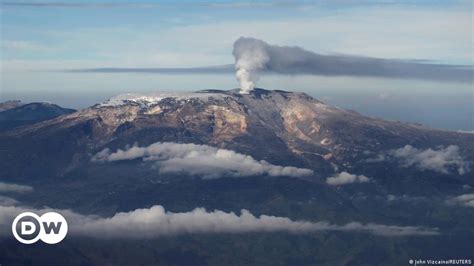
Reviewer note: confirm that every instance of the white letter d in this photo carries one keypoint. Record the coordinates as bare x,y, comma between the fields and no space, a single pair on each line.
27,228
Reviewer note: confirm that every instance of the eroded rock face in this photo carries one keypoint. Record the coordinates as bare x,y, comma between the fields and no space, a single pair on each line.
228,123
301,121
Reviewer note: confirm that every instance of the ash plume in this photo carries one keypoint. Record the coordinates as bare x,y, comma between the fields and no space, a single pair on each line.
253,57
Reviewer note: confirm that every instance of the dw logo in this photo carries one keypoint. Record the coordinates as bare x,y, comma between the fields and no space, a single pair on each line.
28,228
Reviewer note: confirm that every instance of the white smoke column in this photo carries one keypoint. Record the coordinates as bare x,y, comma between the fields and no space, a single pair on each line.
250,56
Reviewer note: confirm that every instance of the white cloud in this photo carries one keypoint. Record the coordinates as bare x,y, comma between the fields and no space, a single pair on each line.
465,131
406,198
435,160
6,187
201,160
156,221
463,200
7,201
377,159
344,178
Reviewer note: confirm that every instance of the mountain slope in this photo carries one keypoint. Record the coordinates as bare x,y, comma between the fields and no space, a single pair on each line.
276,126
15,114
111,158
9,105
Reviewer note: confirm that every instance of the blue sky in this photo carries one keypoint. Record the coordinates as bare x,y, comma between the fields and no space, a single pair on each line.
39,39
164,33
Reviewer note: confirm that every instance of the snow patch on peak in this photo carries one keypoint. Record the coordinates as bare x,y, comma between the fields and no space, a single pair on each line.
154,98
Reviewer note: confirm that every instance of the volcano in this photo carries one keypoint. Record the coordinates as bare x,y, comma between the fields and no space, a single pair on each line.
355,168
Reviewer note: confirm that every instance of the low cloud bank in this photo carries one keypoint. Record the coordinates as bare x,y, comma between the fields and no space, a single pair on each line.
200,160
11,188
7,201
6,187
156,221
466,200
440,160
344,178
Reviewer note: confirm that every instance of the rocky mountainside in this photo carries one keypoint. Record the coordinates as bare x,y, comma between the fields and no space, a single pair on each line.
276,126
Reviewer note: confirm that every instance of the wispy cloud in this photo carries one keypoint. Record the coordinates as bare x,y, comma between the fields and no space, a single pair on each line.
222,69
466,200
465,131
345,178
200,160
8,201
156,221
19,45
8,187
438,160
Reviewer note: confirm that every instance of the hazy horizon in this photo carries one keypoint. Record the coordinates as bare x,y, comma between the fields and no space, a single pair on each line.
444,109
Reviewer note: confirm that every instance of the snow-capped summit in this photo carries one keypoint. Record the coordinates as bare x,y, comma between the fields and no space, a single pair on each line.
146,100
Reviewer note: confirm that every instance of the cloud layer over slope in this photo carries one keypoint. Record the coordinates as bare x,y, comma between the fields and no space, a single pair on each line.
156,221
200,160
